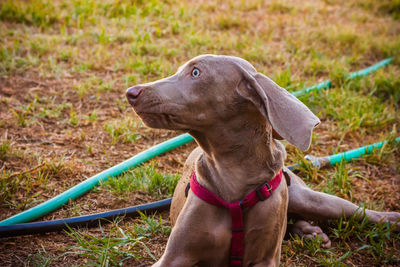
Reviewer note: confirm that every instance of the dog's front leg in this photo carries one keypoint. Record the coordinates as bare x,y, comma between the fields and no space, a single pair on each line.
313,205
200,237
179,252
180,260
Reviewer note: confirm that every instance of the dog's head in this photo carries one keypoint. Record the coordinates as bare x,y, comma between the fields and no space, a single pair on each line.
212,90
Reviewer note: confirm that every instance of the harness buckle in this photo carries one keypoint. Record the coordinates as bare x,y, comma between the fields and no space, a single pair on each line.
269,188
260,195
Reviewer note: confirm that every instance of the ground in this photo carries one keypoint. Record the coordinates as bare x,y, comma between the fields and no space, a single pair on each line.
64,68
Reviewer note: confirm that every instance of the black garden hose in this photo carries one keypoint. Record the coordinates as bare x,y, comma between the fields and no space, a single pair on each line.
81,221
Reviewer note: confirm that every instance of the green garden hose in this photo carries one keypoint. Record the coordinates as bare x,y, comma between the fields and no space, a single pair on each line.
347,156
327,84
88,184
356,153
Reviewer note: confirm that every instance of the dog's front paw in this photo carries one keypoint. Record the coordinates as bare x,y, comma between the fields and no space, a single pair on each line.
306,230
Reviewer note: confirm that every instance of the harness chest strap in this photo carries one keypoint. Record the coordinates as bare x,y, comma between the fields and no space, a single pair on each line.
261,193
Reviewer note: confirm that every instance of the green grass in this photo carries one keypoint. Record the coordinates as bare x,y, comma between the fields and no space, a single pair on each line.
351,111
21,190
125,130
373,237
387,155
92,117
22,114
73,117
93,86
391,7
340,181
386,87
114,246
4,150
350,237
39,13
53,110
309,172
40,259
312,248
150,226
110,248
144,178
45,108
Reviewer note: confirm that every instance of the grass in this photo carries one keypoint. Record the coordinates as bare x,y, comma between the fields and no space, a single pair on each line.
144,178
150,226
125,130
372,240
64,68
387,155
373,237
387,87
351,111
4,150
114,246
309,172
23,189
354,236
384,7
39,13
93,86
21,114
110,248
340,181
40,259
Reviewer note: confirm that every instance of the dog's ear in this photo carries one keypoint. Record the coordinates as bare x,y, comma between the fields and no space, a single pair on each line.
288,116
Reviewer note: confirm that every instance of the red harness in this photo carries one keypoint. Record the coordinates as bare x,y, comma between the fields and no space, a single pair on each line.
261,193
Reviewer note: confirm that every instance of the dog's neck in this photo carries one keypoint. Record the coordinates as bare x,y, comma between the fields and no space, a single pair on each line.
238,157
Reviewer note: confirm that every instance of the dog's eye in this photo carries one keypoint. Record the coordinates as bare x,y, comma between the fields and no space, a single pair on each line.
195,72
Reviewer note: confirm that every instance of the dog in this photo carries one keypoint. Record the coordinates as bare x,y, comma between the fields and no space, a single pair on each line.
237,117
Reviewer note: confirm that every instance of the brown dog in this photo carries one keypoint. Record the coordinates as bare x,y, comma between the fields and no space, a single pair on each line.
234,113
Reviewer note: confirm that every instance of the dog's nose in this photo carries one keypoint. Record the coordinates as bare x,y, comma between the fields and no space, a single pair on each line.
133,93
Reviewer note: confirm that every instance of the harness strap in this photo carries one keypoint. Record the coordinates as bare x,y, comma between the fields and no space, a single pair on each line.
261,193
287,178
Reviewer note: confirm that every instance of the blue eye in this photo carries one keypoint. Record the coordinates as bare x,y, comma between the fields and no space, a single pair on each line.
195,72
